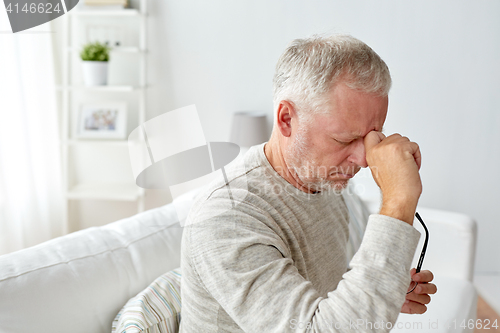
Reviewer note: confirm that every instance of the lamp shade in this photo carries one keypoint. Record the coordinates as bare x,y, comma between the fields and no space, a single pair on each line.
249,129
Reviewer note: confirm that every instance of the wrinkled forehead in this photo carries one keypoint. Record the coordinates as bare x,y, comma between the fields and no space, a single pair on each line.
352,115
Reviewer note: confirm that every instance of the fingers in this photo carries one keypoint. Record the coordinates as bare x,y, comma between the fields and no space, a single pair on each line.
372,139
415,151
414,148
419,298
415,300
425,288
413,307
422,276
418,157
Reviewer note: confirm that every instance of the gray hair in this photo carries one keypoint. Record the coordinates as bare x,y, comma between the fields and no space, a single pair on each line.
309,67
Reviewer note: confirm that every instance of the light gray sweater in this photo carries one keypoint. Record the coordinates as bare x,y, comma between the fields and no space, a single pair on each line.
259,255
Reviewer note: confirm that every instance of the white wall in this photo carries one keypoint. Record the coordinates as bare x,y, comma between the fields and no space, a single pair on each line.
443,55
444,58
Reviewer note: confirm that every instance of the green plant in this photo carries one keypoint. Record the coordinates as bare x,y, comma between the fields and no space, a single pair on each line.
95,52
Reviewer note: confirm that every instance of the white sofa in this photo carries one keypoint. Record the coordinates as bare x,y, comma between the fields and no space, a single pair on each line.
79,282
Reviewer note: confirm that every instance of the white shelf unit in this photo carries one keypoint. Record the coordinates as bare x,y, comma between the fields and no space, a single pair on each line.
92,189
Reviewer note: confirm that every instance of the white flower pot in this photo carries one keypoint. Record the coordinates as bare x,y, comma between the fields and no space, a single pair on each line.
95,73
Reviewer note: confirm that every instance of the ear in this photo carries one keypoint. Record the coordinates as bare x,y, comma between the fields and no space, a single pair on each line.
285,115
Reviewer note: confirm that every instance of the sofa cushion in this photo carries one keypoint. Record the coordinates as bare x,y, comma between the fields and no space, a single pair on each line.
156,309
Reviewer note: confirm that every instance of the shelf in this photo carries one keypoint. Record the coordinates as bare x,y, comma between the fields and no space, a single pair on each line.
97,12
102,88
102,191
98,181
125,49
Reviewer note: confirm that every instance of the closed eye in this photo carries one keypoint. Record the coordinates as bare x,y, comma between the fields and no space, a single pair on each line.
345,143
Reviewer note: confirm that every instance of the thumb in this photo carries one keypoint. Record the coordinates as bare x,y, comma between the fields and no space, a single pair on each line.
372,139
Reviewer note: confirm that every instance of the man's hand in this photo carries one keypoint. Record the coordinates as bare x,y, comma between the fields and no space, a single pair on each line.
417,298
394,162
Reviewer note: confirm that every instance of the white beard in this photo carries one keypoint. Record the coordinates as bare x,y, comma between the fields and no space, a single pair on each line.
312,175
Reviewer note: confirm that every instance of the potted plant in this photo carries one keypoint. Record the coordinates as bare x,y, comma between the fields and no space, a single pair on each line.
95,58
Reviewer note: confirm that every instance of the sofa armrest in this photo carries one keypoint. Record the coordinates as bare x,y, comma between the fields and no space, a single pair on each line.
452,242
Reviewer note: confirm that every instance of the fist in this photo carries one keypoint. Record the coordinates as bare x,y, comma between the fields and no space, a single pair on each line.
395,162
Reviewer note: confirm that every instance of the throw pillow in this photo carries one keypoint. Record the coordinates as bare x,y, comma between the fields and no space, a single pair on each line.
156,309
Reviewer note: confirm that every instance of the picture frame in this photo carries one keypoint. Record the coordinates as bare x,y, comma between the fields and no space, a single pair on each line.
102,120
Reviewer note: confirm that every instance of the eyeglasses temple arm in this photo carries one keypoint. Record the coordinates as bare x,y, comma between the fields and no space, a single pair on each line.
422,254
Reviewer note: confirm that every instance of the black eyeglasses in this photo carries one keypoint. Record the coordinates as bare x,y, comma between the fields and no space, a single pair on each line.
414,284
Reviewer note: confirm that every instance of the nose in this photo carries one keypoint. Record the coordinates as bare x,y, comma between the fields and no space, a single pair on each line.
358,153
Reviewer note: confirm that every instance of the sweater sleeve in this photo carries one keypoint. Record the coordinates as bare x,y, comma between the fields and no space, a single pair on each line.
248,270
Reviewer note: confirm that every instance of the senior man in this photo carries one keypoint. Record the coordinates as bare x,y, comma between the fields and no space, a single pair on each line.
264,248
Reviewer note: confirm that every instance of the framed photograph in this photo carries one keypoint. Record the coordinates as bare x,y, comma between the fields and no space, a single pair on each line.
102,120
